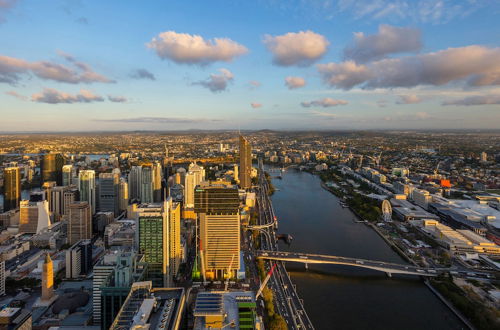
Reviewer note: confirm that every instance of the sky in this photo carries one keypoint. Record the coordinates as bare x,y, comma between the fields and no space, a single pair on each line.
264,64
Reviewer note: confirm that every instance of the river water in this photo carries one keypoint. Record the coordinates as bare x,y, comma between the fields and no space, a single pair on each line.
340,297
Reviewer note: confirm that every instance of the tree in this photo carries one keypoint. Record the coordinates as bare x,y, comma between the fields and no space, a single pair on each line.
278,323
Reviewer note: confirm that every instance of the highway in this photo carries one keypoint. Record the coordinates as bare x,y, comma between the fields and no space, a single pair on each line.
287,301
386,267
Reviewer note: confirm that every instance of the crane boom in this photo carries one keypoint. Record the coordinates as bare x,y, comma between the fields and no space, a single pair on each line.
263,285
229,273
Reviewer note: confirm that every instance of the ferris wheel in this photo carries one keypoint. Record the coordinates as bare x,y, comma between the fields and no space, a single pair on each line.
386,210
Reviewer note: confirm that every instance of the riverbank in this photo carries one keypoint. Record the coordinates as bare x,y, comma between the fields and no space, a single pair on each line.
348,296
407,258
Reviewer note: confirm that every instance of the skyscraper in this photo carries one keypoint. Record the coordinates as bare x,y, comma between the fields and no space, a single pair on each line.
123,195
57,204
174,236
217,207
153,240
47,279
245,163
33,216
67,175
108,192
51,168
147,183
157,178
12,188
87,188
80,222
194,176
134,182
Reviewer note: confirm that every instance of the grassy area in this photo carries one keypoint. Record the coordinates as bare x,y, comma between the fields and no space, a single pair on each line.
365,207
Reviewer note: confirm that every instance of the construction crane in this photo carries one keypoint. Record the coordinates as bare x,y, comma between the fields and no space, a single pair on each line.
202,264
229,273
377,159
263,285
437,169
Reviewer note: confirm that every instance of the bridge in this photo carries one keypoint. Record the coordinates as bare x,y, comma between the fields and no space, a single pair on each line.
382,266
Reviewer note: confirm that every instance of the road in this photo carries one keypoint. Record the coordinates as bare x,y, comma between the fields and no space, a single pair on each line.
287,301
386,267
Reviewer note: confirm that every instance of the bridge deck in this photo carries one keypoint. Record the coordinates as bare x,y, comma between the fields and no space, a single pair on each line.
386,267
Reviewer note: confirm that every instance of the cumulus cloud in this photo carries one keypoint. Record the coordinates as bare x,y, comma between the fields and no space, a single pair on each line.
388,40
16,95
142,74
53,96
217,82
185,48
344,75
475,100
117,99
12,68
408,99
301,48
294,82
475,65
325,103
255,105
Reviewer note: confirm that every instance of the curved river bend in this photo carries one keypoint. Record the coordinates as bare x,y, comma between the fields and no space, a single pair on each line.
339,297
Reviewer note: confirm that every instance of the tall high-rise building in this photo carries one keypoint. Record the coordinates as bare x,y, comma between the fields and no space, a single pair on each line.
67,175
79,259
194,176
147,176
157,179
123,195
51,168
245,163
33,216
70,196
47,279
153,240
80,222
189,190
109,186
134,182
217,207
57,203
484,157
174,236
12,188
87,188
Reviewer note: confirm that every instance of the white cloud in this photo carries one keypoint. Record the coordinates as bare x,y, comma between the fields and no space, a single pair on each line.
325,103
344,75
294,82
474,65
217,82
475,100
255,105
53,96
117,99
301,48
185,48
16,95
12,68
388,40
408,99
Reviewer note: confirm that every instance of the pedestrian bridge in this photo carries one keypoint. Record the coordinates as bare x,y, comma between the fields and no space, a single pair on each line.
386,267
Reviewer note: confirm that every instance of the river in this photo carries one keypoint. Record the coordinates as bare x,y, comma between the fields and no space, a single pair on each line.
341,297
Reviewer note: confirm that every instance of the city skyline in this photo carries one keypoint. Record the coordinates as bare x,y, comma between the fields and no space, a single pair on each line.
121,66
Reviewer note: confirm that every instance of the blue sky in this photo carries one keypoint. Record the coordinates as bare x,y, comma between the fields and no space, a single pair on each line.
88,65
